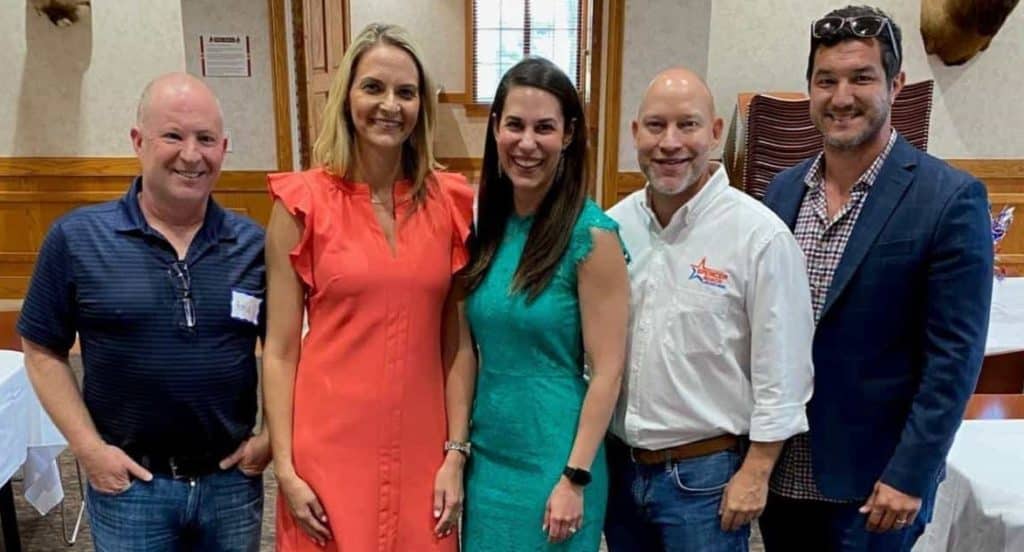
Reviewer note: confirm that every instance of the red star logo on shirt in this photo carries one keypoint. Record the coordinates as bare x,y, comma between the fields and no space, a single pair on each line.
707,275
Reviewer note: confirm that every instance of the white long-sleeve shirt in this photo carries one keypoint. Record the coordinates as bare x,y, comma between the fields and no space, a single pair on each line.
721,327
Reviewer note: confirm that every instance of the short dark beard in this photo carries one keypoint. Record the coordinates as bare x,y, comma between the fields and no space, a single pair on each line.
869,133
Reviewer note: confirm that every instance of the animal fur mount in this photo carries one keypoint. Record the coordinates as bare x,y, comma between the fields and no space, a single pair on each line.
61,13
956,30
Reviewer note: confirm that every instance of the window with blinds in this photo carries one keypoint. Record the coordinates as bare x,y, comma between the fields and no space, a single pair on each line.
504,31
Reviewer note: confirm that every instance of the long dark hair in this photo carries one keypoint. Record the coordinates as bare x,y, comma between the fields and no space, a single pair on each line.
557,213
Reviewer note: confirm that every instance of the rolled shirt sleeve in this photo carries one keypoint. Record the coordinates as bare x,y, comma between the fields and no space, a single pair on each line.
782,334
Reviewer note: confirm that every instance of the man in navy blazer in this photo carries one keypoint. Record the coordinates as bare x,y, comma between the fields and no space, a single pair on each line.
899,260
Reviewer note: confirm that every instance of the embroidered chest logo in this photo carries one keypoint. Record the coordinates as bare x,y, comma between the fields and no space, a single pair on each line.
707,275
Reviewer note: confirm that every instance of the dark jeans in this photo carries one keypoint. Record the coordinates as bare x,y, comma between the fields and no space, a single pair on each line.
671,507
789,524
216,512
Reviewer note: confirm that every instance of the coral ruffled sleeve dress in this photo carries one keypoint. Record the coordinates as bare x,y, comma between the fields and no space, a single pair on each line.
369,417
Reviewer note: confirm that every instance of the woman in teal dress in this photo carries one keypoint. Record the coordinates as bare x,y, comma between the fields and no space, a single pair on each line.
547,287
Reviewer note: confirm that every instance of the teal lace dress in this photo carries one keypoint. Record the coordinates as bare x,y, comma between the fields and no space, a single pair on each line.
529,394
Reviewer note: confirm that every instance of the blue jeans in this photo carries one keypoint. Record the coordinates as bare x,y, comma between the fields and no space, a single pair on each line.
671,507
217,512
790,524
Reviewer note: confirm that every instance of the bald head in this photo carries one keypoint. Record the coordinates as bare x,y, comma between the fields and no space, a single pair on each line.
175,86
179,139
675,132
679,82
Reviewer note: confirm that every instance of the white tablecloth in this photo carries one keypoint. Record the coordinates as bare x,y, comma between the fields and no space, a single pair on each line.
980,505
1006,323
27,436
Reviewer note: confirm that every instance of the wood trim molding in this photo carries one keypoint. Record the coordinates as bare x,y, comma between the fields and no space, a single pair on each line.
299,59
629,182
990,168
111,169
346,12
105,167
1004,178
69,166
453,97
596,50
279,72
35,191
612,104
467,51
462,164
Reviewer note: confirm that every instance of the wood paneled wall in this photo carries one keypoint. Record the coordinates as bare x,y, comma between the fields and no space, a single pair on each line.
468,166
34,192
1004,179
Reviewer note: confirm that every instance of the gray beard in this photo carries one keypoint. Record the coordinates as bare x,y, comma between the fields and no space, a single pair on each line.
661,190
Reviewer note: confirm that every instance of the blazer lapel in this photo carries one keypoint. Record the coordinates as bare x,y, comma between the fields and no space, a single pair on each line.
885,195
791,195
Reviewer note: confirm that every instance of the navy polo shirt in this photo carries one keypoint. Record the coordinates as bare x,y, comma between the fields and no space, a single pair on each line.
151,384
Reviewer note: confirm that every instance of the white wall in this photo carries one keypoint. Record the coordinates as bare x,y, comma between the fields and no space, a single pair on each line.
437,26
763,46
657,34
72,91
248,103
439,29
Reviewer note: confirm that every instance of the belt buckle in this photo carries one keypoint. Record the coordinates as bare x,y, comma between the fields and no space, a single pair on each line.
174,469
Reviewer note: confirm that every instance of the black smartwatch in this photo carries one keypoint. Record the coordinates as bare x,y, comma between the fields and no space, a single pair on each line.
577,476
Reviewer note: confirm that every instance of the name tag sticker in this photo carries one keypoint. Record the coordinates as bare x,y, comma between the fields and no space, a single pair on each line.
245,307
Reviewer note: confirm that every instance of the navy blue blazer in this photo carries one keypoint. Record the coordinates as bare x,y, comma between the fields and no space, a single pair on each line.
901,337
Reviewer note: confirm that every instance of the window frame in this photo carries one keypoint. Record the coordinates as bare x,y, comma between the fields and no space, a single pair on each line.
468,98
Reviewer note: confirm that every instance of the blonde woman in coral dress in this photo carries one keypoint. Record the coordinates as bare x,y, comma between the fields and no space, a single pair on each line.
366,244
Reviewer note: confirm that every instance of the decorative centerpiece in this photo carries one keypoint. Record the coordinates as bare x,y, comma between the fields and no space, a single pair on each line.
1000,225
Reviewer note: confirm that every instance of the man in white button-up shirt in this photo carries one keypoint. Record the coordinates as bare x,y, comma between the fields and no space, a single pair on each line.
719,363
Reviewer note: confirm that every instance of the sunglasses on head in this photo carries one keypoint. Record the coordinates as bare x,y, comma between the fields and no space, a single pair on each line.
863,26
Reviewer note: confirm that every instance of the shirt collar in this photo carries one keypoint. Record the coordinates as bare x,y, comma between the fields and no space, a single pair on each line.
215,224
718,182
816,174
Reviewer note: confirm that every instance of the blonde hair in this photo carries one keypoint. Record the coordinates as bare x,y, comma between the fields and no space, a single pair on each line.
335,146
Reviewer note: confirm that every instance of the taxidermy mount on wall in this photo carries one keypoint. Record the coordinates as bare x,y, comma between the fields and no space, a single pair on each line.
61,13
956,30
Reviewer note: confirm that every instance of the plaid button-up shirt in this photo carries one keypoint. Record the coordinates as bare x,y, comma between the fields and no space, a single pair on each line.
823,240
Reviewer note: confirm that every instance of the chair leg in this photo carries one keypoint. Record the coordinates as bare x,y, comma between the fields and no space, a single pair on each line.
9,519
73,537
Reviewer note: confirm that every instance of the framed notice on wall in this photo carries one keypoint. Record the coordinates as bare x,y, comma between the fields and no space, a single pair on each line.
225,55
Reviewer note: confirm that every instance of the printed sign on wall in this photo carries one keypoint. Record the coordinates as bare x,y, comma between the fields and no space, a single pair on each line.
225,55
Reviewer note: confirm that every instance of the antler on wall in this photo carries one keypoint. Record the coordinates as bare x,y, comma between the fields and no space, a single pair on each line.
956,30
61,13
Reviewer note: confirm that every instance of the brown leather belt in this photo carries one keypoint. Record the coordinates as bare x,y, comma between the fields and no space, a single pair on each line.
682,452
